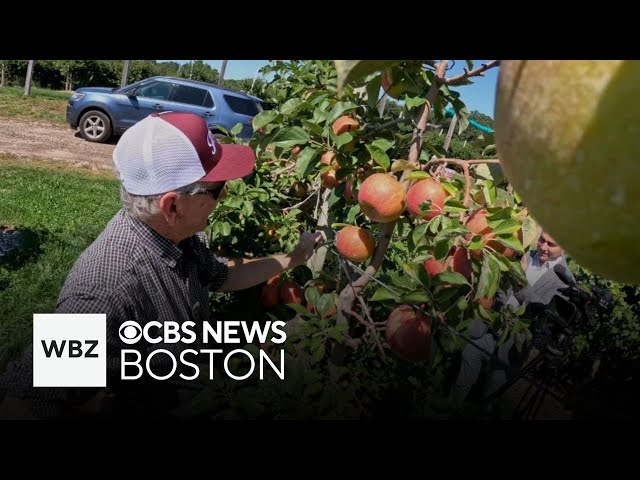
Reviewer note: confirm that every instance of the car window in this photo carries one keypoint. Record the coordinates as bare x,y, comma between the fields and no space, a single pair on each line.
157,90
190,95
242,106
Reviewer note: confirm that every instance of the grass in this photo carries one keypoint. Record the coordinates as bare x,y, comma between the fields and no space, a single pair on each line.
42,105
62,211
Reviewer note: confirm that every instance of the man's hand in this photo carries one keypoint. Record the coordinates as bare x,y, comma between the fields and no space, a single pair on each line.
305,248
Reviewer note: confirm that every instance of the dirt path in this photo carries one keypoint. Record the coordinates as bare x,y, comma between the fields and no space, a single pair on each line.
38,140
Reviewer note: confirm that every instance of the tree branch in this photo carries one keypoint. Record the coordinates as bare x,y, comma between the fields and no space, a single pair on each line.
458,161
348,295
476,72
299,204
467,187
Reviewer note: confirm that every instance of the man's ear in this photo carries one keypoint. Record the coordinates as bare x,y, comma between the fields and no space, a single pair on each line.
168,207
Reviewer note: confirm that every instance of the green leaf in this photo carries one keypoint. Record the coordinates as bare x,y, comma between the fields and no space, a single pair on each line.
291,105
463,119
450,278
441,250
489,191
446,294
449,188
469,64
343,139
373,91
350,71
247,208
353,213
434,223
436,150
462,304
454,206
225,229
507,226
511,242
264,118
417,296
496,213
401,281
304,162
413,102
383,294
476,244
418,174
288,137
505,264
529,231
318,353
313,127
312,295
340,109
489,277
237,128
451,232
325,303
482,171
383,144
296,307
419,232
418,273
379,156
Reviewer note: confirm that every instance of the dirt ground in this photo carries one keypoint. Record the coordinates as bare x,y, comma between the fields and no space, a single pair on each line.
47,141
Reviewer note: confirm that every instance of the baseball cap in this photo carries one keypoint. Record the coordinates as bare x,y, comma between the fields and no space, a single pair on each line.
169,150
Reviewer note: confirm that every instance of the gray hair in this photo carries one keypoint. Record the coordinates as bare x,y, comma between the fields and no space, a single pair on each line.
143,207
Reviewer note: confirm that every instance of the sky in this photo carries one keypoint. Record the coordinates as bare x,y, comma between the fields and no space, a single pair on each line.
480,96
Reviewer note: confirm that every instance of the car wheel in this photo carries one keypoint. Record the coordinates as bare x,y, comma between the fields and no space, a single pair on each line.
95,126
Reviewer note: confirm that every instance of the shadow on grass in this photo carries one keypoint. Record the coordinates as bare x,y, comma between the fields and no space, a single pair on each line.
19,246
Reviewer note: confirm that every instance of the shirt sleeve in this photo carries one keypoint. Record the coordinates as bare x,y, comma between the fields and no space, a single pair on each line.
213,269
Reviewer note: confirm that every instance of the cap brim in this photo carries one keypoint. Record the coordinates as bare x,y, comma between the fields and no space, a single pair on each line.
237,161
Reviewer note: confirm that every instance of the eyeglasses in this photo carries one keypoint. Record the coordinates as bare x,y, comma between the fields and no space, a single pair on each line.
217,191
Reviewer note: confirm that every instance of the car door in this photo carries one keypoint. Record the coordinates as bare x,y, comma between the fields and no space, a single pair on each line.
139,101
153,98
188,98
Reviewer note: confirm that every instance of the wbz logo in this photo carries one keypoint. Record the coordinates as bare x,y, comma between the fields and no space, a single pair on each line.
69,350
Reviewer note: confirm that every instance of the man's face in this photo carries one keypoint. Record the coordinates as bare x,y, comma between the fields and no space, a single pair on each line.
548,248
194,210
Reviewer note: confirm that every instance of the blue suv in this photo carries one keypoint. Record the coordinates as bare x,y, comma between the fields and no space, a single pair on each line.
102,112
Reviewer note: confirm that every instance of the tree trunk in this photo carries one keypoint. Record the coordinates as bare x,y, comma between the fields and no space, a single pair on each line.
27,83
125,73
3,73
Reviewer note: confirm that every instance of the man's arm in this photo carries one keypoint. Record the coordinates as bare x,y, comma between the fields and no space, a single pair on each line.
245,273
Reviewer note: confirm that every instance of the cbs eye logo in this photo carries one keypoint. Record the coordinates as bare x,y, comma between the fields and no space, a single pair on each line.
130,332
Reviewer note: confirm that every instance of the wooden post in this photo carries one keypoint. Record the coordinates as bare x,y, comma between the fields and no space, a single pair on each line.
125,73
224,67
27,83
452,127
3,79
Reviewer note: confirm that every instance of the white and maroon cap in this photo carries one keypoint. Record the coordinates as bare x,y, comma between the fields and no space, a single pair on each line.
169,150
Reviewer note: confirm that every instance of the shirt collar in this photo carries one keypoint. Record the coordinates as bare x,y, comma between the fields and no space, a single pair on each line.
169,252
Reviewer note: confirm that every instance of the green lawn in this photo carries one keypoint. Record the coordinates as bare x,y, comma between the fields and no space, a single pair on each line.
42,105
62,211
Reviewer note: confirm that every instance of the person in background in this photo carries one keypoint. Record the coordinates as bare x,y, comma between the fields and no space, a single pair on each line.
542,284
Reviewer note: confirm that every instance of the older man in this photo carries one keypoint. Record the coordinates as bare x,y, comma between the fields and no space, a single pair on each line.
153,263
542,284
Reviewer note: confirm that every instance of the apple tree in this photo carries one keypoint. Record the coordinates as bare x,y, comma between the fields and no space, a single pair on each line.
417,245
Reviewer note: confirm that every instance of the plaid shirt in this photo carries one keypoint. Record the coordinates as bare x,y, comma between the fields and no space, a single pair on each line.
130,272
